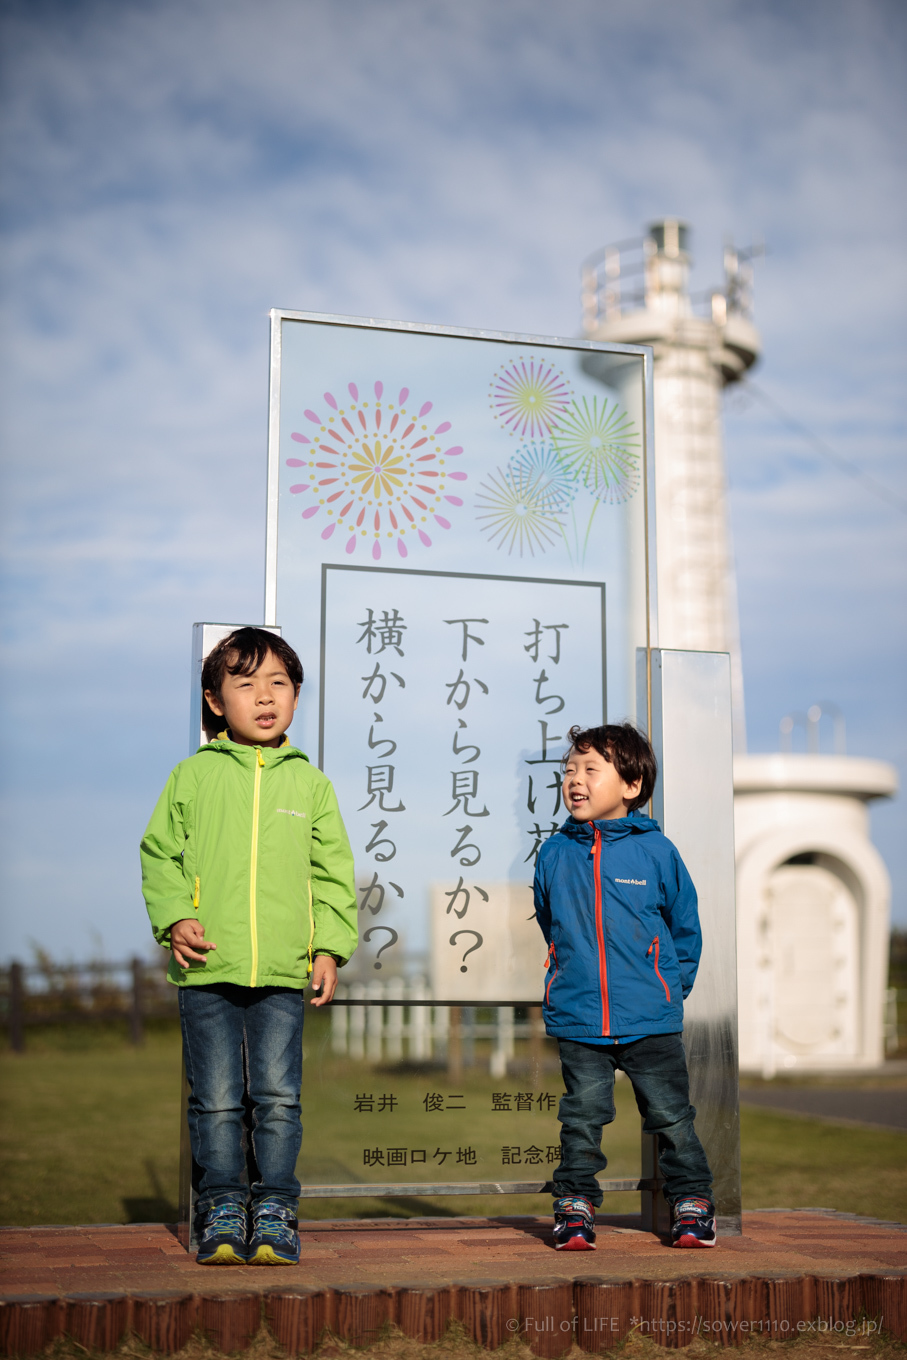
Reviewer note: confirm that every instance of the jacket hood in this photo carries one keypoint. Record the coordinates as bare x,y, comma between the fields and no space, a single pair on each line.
247,754
612,829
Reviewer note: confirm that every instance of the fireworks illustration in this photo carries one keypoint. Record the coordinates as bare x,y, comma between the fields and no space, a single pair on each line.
600,447
528,397
514,512
377,471
554,483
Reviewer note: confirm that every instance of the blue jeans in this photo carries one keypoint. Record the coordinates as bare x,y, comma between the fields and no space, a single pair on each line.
243,1052
657,1068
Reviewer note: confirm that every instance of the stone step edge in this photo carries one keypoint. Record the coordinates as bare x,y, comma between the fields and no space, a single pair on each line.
549,1315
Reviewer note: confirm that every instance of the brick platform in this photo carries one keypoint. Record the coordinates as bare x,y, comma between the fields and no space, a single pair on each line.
497,1276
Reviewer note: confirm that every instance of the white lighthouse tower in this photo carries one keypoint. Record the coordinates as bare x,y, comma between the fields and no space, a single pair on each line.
638,292
812,891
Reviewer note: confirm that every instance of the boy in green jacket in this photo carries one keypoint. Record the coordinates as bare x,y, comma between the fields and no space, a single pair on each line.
247,875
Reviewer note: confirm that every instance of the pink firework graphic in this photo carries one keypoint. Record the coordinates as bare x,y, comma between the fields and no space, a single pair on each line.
528,397
378,471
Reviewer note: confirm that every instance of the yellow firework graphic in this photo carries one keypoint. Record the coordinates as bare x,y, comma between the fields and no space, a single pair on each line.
377,471
528,397
515,512
601,448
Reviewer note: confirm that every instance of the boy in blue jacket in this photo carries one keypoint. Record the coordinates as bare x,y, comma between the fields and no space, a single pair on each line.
619,914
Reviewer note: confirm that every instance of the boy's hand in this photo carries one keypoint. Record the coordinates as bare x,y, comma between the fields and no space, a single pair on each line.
185,938
324,979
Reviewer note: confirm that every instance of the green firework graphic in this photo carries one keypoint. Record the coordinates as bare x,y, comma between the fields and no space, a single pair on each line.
600,447
515,512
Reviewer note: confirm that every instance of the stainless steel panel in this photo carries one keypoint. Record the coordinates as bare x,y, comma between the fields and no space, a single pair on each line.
693,801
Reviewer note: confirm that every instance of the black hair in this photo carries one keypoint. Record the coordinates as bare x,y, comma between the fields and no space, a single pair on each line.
624,747
241,653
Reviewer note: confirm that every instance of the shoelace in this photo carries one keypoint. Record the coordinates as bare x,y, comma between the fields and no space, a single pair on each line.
225,1219
274,1221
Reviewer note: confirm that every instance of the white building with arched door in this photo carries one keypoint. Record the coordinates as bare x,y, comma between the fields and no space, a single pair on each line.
812,911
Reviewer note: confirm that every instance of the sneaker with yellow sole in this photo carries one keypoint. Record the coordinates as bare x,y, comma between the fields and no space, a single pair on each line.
224,1231
274,1240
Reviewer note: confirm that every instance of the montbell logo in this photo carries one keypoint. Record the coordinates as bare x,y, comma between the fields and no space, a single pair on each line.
291,812
637,882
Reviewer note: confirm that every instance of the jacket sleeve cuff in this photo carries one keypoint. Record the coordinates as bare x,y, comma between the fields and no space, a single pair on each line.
162,932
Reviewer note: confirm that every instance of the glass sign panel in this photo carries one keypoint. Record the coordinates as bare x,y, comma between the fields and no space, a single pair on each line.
457,547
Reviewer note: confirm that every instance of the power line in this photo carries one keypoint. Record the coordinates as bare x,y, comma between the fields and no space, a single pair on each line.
846,465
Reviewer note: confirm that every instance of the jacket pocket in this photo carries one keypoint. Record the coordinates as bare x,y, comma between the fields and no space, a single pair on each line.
653,949
551,955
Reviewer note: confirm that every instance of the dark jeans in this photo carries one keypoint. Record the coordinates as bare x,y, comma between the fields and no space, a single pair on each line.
243,1052
657,1068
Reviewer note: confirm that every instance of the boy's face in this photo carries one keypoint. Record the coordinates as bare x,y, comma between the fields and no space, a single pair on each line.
593,790
257,708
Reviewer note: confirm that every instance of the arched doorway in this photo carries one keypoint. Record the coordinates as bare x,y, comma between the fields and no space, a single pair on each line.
813,940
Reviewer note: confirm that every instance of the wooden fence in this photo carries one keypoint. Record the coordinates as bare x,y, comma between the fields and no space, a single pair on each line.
47,993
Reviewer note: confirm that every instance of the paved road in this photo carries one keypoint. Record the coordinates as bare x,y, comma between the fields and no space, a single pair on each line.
885,1108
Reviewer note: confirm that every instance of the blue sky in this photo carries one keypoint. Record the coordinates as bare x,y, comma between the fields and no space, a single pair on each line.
172,171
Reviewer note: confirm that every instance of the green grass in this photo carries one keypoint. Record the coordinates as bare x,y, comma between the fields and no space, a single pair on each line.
807,1163
89,1133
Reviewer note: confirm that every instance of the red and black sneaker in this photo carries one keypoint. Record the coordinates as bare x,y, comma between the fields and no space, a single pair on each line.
574,1224
694,1222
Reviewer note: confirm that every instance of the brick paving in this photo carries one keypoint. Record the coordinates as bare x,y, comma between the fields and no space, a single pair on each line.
116,1258
97,1281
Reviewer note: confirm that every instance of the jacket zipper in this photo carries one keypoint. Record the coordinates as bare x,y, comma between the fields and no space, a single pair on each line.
253,871
600,933
198,884
655,945
311,929
551,955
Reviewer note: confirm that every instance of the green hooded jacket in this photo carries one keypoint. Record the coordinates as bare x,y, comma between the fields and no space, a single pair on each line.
249,840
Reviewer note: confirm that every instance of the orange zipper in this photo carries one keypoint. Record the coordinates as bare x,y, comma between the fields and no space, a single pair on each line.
655,945
600,932
551,954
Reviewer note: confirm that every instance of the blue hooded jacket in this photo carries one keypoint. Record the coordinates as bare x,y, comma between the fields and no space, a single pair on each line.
619,914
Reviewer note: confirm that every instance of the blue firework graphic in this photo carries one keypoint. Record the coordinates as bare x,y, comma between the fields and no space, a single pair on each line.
554,481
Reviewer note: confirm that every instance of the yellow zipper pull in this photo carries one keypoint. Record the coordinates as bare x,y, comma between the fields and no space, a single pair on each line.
261,759
197,886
